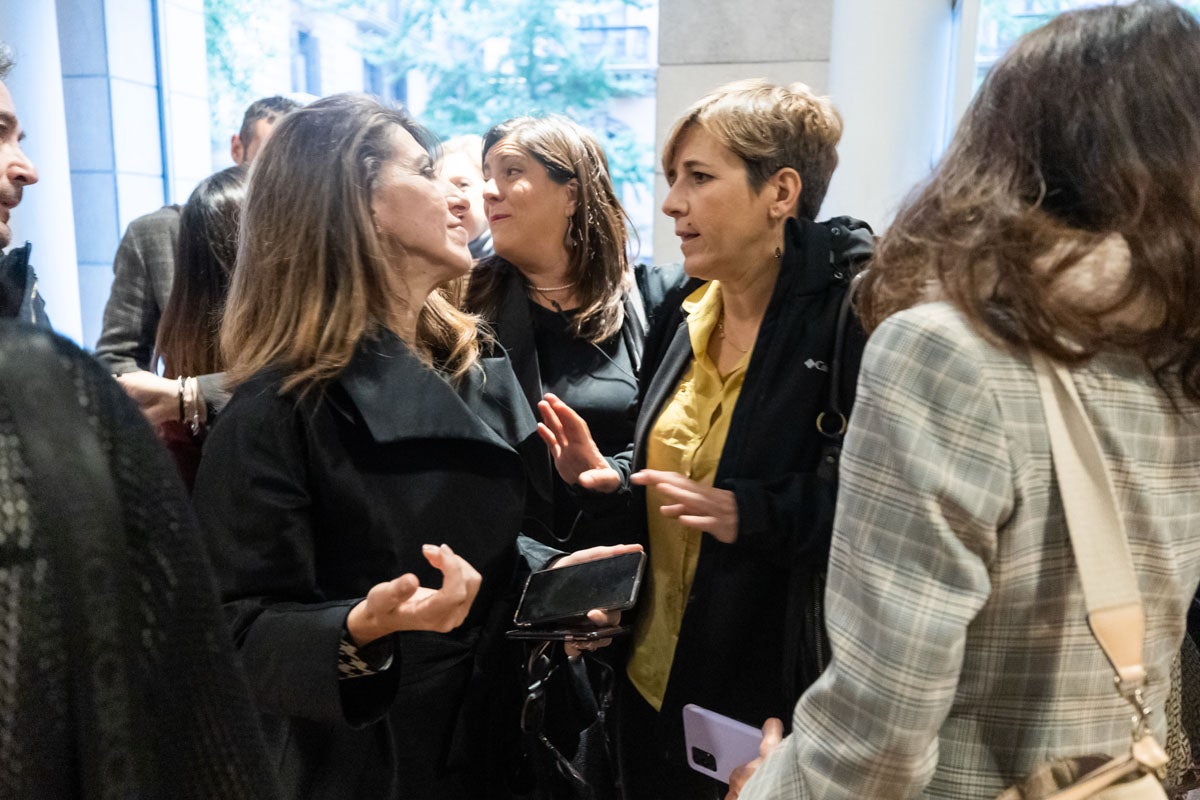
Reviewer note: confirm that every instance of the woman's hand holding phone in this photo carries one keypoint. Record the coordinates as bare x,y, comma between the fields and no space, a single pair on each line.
772,735
402,604
598,617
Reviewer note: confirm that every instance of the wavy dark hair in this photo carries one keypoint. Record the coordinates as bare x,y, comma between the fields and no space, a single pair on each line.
599,231
204,259
1086,128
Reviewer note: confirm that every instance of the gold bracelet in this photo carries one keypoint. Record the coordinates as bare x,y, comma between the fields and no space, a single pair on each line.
194,396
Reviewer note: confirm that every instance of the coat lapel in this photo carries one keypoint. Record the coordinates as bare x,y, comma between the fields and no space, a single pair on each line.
514,328
666,379
400,398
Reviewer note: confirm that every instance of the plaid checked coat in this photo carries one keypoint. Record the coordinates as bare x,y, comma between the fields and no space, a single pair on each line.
962,658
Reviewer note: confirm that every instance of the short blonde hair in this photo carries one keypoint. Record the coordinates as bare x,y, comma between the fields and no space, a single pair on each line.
769,127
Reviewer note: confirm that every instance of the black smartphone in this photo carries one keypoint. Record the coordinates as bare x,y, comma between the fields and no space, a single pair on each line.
566,594
567,634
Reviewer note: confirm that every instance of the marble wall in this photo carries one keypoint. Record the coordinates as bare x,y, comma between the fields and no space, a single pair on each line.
705,43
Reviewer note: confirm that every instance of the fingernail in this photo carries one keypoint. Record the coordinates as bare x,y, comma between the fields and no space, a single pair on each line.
429,548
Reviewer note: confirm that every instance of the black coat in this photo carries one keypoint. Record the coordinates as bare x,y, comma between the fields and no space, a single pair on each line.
507,312
750,598
308,503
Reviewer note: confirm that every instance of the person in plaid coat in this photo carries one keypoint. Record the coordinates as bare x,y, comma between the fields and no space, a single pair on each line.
1065,218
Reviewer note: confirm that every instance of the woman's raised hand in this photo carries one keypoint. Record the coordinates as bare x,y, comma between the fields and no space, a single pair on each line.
403,604
704,508
576,456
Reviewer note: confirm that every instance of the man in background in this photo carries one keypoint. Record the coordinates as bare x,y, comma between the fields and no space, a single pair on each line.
144,269
462,165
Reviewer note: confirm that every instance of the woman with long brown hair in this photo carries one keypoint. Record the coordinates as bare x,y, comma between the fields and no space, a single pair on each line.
371,435
1063,224
561,297
188,332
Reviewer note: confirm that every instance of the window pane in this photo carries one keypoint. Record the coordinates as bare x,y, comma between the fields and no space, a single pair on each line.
1002,22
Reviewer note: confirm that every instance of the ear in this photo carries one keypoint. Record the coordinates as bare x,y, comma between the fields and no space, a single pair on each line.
783,192
572,195
236,151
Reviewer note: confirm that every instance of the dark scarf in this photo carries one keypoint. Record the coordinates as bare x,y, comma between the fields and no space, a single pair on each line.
117,676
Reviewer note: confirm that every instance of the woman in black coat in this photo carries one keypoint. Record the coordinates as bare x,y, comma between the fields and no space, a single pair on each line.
371,435
734,481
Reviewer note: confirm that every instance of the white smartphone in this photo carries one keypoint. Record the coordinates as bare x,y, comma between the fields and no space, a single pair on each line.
717,745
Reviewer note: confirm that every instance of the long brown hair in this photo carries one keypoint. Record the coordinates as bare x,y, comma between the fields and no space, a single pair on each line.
313,278
597,231
204,260
1088,127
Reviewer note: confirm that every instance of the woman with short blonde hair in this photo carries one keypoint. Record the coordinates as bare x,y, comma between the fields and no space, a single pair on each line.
733,489
770,127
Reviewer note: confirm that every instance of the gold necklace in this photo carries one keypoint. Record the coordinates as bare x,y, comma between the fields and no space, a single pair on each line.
544,289
725,336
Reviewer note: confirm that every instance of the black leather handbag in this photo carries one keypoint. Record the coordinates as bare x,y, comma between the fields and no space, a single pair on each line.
564,725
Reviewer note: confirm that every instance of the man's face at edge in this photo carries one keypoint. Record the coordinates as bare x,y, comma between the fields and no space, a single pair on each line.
16,170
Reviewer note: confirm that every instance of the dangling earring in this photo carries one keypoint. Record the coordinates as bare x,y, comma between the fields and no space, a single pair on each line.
778,254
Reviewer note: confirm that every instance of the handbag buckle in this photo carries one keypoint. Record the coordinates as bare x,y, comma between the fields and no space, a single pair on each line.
1141,716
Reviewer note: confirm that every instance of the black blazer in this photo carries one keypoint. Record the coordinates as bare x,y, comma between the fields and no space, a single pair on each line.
308,503
731,656
507,312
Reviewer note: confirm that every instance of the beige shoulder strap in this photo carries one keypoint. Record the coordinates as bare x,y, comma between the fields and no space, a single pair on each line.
1096,527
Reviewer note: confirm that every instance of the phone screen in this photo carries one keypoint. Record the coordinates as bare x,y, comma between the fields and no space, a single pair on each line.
609,584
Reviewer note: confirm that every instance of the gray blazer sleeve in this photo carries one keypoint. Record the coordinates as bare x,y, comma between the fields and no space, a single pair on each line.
143,270
216,393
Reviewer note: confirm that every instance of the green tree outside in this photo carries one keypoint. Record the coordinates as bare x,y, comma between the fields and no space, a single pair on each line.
482,62
486,62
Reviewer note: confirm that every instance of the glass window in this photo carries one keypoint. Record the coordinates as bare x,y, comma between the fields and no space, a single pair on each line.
1002,22
460,66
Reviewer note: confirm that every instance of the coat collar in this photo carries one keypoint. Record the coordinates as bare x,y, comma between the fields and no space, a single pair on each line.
514,328
400,398
805,269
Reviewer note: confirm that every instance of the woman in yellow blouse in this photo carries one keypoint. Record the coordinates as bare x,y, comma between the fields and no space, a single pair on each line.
727,458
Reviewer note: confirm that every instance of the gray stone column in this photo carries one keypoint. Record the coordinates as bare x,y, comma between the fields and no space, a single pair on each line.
890,75
132,70
111,87
45,216
705,43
